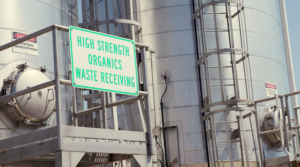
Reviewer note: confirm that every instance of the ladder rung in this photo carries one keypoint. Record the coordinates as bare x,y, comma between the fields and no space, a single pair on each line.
215,30
223,85
223,122
213,13
218,66
225,141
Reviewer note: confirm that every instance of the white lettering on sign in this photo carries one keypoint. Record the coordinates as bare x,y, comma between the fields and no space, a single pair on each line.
28,47
271,89
103,62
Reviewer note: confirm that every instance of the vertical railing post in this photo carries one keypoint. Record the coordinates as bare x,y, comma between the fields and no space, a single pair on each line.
57,88
103,103
147,102
132,18
74,101
285,127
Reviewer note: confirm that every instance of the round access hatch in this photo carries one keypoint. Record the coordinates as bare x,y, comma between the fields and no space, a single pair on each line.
34,107
273,119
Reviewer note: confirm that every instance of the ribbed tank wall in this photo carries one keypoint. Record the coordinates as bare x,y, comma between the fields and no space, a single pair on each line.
266,52
168,30
27,17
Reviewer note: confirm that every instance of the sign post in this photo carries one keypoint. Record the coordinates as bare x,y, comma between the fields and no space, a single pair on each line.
103,62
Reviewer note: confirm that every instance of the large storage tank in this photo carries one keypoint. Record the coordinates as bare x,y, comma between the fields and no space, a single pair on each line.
19,18
168,28
266,50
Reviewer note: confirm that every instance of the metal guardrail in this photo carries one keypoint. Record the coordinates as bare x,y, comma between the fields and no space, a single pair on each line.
284,102
59,129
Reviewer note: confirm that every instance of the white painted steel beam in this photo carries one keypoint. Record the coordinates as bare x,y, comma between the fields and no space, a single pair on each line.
28,138
67,159
111,148
28,152
95,133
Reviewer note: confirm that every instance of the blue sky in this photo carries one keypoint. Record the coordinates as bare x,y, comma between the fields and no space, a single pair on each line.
293,16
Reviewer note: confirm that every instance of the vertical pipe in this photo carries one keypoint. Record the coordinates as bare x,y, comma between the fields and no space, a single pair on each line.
131,18
57,89
212,142
147,102
288,53
228,138
253,138
289,60
241,145
104,116
84,14
286,140
288,110
106,14
218,48
74,106
198,51
215,138
261,159
114,112
96,14
243,139
297,131
115,16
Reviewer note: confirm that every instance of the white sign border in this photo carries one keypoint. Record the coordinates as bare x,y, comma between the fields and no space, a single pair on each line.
94,88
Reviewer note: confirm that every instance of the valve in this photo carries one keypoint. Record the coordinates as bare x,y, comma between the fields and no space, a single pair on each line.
22,66
43,68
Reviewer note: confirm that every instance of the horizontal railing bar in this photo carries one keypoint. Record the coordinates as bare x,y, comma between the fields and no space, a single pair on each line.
143,93
139,45
68,82
277,130
268,132
295,127
117,103
25,91
65,82
123,101
35,34
264,100
93,95
61,28
296,108
90,110
292,93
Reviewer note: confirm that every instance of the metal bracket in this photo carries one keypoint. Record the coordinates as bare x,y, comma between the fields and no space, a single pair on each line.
10,104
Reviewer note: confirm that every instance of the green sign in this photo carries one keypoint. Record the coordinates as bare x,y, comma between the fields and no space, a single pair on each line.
103,62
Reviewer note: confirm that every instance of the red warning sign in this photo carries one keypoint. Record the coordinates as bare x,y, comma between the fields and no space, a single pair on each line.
271,89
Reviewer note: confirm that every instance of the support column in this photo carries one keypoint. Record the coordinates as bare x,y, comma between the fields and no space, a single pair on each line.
67,159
